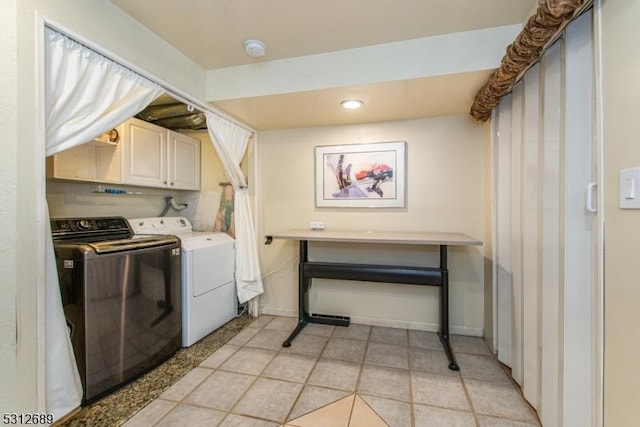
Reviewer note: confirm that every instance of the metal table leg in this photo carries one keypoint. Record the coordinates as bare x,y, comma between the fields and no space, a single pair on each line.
444,310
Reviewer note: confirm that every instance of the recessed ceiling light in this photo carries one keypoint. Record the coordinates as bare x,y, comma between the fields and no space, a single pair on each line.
351,104
254,48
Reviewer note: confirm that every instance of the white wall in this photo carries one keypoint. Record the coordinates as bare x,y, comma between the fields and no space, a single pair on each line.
621,85
203,205
445,192
10,398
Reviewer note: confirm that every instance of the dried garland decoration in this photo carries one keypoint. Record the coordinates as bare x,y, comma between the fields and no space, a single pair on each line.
550,18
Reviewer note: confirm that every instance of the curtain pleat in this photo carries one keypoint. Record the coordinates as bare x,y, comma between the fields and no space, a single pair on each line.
86,94
550,18
230,142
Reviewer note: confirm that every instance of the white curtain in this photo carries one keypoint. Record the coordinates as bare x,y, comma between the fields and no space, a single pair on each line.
230,142
86,94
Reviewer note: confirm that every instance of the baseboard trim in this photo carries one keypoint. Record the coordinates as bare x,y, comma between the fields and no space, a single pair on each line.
388,323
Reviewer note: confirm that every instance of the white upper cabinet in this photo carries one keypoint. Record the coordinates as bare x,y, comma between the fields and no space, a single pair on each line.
183,161
135,153
145,154
96,161
157,157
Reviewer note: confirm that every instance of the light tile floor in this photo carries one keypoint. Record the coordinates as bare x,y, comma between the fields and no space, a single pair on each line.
335,376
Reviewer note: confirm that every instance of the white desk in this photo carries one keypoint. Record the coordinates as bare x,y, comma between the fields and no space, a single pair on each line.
429,276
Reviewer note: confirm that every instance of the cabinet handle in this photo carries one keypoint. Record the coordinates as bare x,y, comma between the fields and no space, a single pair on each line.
172,183
164,182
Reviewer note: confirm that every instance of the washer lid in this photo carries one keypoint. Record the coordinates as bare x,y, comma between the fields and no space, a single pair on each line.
205,240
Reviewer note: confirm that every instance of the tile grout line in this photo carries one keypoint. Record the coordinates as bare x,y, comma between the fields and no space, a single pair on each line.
317,358
364,356
412,408
229,411
305,383
217,369
468,396
175,404
258,376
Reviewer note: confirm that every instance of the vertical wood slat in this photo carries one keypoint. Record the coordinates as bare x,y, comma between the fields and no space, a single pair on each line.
502,224
530,236
551,244
516,233
579,345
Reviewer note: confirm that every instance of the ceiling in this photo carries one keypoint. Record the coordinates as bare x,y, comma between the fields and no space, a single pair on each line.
212,34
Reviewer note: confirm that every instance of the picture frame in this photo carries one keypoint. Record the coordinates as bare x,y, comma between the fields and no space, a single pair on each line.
370,175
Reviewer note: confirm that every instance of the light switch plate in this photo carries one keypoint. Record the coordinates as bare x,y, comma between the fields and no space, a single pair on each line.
630,188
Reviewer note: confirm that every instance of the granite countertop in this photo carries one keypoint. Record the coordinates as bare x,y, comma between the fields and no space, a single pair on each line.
118,407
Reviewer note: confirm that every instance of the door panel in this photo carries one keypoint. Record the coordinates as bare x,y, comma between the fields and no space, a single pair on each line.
579,345
547,250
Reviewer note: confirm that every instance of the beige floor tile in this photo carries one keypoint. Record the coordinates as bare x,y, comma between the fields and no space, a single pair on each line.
394,356
150,414
391,336
318,329
481,368
498,399
393,412
234,420
428,416
353,332
338,374
261,321
244,336
333,415
268,399
221,390
424,339
186,384
473,345
269,339
290,367
311,345
313,398
383,381
280,323
486,421
220,356
363,416
187,415
433,361
253,381
439,390
248,360
345,349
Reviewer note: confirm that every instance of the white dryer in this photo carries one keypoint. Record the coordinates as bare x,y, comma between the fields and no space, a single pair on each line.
208,264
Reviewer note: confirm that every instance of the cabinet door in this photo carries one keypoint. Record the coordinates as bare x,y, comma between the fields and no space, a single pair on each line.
184,162
145,154
94,161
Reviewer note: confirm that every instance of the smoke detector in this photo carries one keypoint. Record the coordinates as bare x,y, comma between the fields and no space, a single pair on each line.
254,48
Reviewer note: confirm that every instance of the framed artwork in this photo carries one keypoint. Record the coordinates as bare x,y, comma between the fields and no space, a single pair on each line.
361,175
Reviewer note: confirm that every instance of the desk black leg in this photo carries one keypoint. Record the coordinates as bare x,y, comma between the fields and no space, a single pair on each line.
444,310
304,284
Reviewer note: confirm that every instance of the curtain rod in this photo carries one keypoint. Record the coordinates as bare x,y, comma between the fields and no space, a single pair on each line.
171,90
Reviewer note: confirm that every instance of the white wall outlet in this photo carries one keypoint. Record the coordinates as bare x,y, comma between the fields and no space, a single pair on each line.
630,188
316,225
